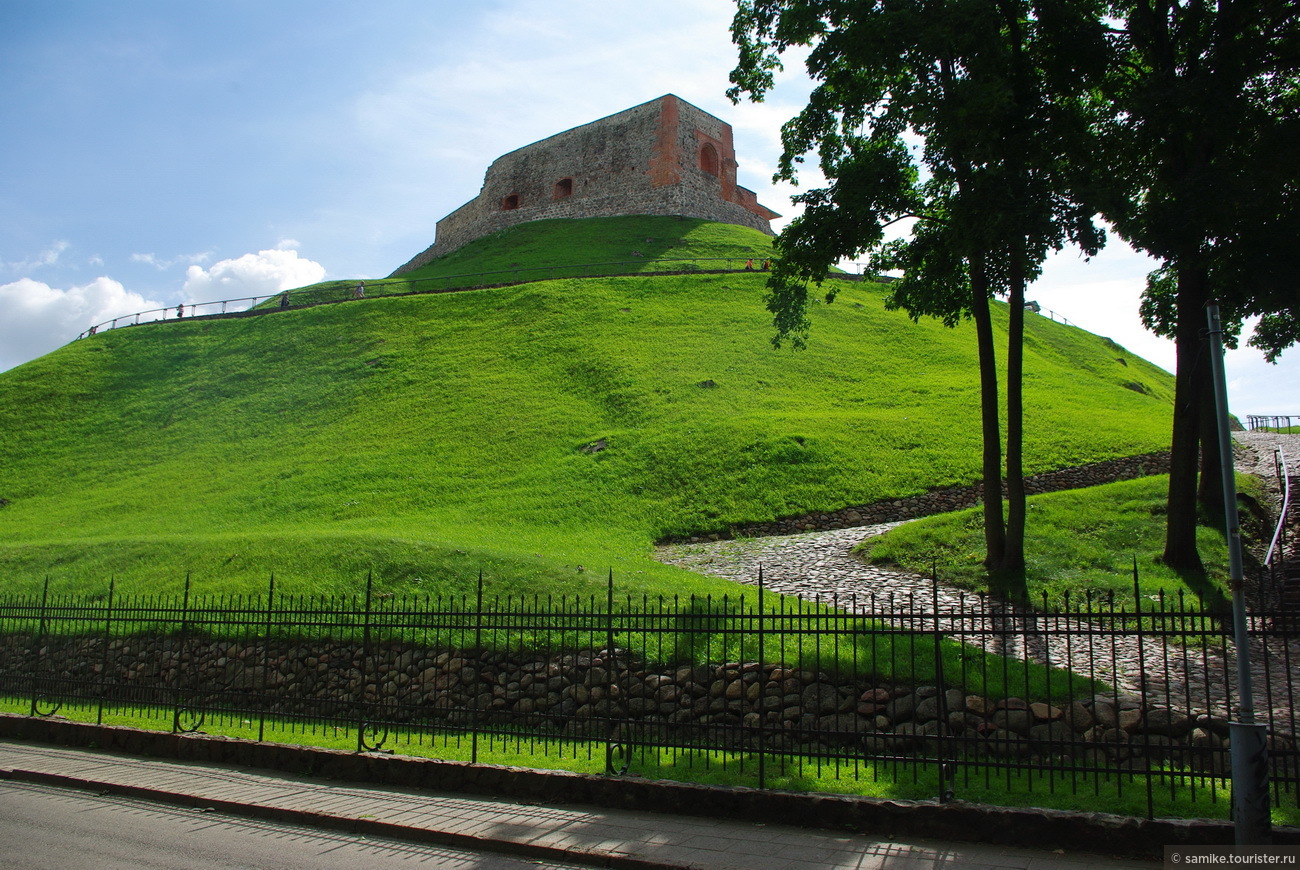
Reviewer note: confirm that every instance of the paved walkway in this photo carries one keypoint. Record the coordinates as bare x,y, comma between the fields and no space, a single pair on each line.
583,835
822,565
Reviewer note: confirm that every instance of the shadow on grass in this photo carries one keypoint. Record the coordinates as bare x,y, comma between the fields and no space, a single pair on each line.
1009,586
1212,598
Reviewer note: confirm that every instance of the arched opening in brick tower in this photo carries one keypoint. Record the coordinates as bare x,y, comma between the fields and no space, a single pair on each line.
563,188
709,158
510,203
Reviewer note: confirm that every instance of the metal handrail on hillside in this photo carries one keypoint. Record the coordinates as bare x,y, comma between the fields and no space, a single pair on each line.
344,288
1285,479
178,312
1272,421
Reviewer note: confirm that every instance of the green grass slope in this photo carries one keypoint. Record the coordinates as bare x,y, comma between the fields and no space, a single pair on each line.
630,239
426,437
1077,542
569,248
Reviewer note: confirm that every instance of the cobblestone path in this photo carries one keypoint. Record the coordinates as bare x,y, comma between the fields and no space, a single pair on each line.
820,565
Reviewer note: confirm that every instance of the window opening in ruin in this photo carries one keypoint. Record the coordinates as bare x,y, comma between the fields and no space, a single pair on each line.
510,203
709,158
563,188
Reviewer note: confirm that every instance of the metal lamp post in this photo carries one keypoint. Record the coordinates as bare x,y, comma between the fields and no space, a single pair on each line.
1249,751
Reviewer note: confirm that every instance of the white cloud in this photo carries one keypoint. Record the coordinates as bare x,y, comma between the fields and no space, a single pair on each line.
260,274
36,318
48,257
163,264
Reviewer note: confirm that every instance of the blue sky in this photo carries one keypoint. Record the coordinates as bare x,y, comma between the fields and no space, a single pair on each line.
164,152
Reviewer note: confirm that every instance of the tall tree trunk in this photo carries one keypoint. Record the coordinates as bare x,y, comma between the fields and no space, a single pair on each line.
1013,561
995,540
1180,520
1209,492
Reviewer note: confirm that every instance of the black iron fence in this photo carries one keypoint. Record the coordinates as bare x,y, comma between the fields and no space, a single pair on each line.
926,696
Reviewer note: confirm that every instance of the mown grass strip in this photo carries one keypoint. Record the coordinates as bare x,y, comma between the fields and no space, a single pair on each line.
1176,793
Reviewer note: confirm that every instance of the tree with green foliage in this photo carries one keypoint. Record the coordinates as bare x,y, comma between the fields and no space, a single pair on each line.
1203,144
970,116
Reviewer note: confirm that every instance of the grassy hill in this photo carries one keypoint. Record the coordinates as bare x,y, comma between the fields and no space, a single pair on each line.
564,248
544,433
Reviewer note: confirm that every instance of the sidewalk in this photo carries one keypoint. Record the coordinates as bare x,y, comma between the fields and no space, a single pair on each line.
584,835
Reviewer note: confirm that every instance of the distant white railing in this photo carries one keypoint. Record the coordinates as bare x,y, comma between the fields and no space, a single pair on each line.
180,312
1055,316
1280,422
346,290
1032,307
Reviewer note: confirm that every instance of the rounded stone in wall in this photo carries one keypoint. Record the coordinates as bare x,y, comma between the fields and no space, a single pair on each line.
821,698
1130,720
1078,717
1216,725
901,709
917,733
1045,712
1105,713
1168,723
936,707
1156,746
1018,721
1055,731
640,707
840,726
1116,743
1007,744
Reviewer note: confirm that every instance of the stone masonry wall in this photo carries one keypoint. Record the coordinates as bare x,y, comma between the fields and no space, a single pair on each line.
580,694
645,160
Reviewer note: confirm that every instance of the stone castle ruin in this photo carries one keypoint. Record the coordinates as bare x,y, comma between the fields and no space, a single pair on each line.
664,157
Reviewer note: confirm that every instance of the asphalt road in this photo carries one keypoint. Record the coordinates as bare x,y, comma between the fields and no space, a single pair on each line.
49,828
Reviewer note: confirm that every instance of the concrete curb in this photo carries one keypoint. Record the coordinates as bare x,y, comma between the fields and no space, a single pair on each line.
1006,826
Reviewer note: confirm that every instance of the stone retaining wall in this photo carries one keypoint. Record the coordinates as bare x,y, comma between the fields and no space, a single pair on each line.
585,693
943,500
